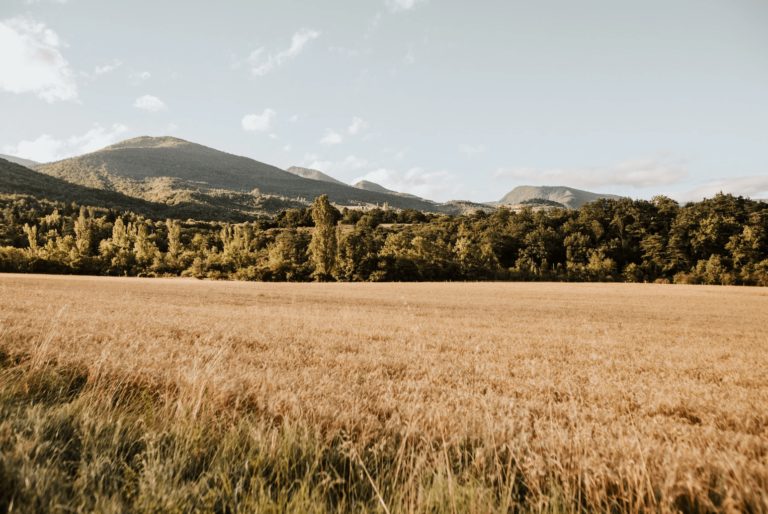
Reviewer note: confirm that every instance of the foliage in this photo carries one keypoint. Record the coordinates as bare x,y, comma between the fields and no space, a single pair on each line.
722,240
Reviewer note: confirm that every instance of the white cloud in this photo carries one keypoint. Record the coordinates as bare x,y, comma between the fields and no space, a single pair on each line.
47,148
331,137
31,61
107,68
139,77
98,71
358,125
434,185
637,174
150,103
30,2
472,150
751,186
402,5
294,118
262,64
258,122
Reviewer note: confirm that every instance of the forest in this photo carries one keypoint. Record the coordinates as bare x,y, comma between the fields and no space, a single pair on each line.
721,240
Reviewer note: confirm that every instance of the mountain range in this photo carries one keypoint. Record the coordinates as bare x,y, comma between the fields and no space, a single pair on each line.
173,177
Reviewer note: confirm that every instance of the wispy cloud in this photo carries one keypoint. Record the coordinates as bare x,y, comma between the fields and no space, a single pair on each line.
263,63
104,69
402,5
139,77
150,103
357,126
46,148
31,61
637,174
472,150
258,122
331,137
409,57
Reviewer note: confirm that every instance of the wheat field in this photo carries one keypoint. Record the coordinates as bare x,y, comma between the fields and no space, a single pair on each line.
175,395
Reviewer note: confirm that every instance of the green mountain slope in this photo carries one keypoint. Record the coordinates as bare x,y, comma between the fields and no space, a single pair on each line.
18,180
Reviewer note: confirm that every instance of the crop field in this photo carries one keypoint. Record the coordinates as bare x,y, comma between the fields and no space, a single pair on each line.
176,395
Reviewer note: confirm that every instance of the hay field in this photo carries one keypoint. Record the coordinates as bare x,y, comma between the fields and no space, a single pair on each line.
170,395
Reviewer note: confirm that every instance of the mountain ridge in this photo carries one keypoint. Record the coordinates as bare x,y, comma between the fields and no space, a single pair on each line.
131,166
19,160
313,174
570,197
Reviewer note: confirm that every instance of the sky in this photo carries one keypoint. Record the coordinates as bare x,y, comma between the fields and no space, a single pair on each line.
445,99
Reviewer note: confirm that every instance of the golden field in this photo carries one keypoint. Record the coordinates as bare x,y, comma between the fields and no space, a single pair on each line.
174,395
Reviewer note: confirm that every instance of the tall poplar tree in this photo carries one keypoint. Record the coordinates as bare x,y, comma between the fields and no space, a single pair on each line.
322,248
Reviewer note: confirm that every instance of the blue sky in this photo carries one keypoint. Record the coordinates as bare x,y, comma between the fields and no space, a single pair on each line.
441,98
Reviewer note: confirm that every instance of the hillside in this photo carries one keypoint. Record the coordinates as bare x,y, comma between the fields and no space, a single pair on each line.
133,167
568,196
19,180
313,174
19,160
367,185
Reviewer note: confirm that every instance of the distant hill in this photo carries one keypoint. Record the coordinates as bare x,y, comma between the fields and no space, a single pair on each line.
467,207
19,160
367,185
157,168
313,174
372,186
567,196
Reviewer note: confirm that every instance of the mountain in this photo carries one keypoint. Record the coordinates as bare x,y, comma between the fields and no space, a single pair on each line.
19,160
367,185
313,174
567,196
19,180
157,168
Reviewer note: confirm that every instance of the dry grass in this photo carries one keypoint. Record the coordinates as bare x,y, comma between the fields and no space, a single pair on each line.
398,397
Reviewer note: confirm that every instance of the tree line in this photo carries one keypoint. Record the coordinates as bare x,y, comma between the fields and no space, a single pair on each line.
721,240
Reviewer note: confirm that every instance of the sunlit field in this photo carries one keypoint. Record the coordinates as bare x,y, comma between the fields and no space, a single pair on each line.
176,395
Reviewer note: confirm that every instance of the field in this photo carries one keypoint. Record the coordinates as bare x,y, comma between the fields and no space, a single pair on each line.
171,395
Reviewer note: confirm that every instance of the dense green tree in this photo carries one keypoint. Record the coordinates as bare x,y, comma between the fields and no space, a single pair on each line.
721,240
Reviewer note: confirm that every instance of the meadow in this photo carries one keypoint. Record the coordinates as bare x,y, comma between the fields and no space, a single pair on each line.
179,395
